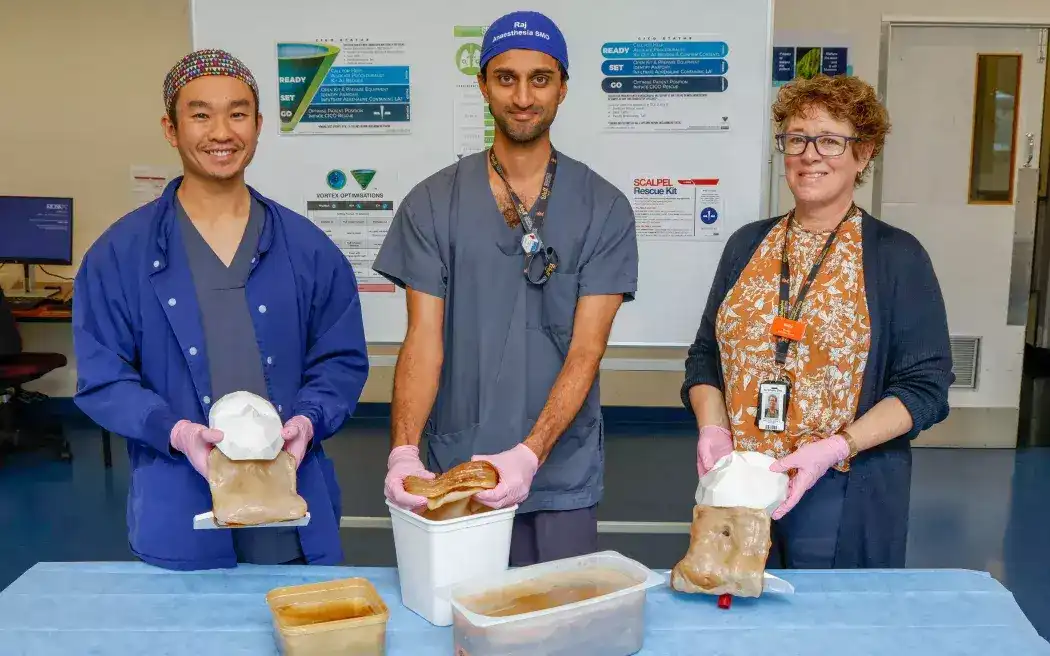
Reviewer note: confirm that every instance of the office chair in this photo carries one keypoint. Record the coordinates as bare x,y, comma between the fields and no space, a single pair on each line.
17,431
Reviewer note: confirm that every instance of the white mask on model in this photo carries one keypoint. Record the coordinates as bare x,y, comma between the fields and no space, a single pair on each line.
250,425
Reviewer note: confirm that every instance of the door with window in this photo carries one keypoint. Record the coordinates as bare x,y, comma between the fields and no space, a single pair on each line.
960,172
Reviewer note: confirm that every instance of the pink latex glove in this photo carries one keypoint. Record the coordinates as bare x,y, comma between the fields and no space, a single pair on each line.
297,433
404,462
516,469
810,462
196,441
715,443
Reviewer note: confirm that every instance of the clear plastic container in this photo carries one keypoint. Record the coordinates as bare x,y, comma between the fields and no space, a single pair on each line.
346,616
584,606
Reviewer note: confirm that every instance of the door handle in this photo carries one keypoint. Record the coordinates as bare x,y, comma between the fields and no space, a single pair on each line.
1031,150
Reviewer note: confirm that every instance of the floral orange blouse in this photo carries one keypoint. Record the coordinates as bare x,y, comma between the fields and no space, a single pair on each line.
826,368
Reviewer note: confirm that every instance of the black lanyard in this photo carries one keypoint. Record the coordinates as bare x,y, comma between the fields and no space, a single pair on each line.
532,221
785,281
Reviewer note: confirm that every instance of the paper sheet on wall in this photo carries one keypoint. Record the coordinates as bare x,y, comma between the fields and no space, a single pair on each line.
352,85
676,83
671,208
473,129
355,208
148,182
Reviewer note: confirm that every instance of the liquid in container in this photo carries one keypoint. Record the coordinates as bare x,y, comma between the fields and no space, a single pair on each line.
345,616
591,605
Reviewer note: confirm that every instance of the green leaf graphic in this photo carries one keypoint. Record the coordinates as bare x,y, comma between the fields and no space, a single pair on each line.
809,64
363,177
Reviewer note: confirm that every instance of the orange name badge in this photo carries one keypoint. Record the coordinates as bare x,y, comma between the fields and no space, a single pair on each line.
788,329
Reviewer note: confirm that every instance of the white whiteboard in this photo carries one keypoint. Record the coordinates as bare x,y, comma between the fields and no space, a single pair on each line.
674,273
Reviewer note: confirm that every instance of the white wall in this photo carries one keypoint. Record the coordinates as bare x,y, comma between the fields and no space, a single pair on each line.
77,115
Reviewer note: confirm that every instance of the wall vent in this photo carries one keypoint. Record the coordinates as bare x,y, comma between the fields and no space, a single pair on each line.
966,352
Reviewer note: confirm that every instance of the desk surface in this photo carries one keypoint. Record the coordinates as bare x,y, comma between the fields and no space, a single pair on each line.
57,309
45,313
132,608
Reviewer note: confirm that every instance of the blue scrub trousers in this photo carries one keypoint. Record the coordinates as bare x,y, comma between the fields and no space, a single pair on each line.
807,537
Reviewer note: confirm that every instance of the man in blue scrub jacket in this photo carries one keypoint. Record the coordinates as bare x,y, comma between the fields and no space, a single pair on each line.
210,289
515,262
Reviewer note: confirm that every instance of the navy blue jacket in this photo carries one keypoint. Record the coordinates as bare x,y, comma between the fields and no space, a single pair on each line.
142,366
909,358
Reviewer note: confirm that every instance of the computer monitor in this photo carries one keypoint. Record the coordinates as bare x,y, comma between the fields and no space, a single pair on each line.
36,230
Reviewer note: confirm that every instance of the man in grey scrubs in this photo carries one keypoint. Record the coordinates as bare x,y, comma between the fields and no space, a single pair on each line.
515,262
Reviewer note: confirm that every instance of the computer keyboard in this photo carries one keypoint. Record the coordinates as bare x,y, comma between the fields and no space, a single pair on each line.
24,302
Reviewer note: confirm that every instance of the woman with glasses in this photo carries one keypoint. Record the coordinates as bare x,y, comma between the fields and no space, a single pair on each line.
824,343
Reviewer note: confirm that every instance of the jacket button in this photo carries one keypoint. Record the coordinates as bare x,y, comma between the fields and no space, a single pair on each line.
156,264
280,409
206,400
193,350
171,302
262,309
269,360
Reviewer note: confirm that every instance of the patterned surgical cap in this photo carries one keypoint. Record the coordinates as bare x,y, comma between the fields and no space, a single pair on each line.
197,64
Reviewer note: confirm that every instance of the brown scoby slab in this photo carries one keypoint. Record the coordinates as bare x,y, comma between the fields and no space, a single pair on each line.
456,485
252,492
727,552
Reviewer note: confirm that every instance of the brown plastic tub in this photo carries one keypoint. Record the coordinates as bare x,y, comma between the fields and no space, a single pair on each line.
346,616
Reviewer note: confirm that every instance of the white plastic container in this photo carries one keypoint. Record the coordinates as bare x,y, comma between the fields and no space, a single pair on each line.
432,555
611,623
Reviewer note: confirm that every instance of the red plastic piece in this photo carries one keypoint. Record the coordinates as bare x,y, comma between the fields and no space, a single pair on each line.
725,601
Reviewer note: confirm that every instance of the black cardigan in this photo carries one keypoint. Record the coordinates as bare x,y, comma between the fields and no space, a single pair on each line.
909,358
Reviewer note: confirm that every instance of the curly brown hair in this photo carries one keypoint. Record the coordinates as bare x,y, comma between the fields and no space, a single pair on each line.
845,98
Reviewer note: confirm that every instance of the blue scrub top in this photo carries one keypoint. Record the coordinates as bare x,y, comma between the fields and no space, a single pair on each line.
506,339
142,365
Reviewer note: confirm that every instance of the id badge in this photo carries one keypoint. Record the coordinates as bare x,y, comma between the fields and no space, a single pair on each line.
531,243
773,398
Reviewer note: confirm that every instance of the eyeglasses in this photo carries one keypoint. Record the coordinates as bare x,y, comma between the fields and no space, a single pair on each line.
828,145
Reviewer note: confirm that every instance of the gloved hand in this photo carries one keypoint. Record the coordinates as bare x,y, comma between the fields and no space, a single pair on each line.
516,469
400,464
810,462
196,441
297,433
715,443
